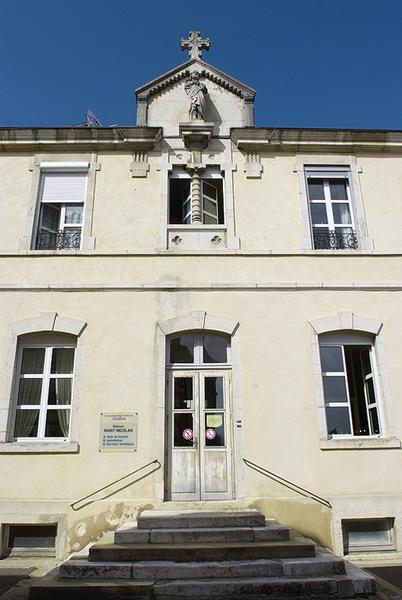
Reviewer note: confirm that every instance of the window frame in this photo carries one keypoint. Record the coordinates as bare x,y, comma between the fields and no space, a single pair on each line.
356,548
57,168
44,405
206,175
326,174
352,341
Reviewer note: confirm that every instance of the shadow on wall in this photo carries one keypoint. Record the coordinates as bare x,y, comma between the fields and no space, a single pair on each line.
307,517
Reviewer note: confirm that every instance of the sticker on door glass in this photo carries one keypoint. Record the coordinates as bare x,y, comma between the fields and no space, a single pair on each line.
210,434
214,421
187,434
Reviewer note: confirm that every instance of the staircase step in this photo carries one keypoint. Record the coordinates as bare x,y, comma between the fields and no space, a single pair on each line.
324,564
297,547
153,519
259,587
55,589
132,535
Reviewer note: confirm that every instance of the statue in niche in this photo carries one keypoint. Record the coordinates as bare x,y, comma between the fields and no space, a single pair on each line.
197,92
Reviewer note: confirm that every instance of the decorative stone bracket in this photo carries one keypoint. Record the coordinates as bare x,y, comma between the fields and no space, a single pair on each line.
140,166
253,166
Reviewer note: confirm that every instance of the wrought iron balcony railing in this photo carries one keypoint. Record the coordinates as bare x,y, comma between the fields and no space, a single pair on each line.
60,240
334,240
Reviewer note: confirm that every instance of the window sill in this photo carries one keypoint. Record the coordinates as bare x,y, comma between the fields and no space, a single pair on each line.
360,444
39,448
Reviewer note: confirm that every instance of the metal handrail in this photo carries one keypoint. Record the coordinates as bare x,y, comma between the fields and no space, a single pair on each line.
105,487
286,483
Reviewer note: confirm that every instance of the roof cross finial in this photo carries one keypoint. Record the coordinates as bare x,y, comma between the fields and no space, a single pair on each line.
194,44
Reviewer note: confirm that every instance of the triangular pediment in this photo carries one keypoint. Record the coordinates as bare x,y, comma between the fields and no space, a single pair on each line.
204,69
163,100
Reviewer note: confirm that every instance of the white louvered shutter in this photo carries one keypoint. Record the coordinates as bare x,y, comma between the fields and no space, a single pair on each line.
64,187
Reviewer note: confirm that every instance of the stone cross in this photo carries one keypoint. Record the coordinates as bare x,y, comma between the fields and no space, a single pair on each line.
194,44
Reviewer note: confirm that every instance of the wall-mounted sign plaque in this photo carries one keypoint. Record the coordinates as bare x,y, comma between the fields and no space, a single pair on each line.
118,432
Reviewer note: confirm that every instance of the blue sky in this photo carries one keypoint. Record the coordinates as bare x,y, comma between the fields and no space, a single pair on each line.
314,63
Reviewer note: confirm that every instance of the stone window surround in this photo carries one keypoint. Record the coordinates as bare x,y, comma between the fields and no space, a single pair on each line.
27,243
348,321
45,322
32,518
198,321
177,158
352,170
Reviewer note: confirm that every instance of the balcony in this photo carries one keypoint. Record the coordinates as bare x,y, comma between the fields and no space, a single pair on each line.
334,240
58,240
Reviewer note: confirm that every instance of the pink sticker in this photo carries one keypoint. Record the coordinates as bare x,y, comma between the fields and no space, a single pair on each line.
188,434
210,434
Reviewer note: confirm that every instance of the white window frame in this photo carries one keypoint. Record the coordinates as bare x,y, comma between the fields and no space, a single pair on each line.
327,177
44,405
375,405
350,323
187,215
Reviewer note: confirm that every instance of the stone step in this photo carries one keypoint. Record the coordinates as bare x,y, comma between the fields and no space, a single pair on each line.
297,547
132,535
341,586
55,589
163,519
325,563
354,583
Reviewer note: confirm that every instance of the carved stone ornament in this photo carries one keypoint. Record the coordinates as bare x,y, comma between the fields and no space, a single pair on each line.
195,44
197,92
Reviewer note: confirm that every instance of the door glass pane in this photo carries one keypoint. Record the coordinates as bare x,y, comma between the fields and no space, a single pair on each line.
73,214
338,189
60,391
182,349
316,189
341,213
214,429
213,392
26,423
331,359
334,389
57,422
214,349
29,391
62,360
32,361
337,420
318,213
183,430
183,392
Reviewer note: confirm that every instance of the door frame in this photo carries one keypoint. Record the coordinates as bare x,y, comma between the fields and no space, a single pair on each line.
199,322
199,451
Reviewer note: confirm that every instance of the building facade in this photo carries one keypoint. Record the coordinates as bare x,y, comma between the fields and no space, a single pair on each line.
197,310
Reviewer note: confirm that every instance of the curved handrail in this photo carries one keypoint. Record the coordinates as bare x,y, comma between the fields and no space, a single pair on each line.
286,483
105,487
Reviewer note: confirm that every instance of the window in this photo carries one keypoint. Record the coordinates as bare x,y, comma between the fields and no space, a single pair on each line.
368,535
349,385
62,198
180,200
331,211
44,387
206,348
30,539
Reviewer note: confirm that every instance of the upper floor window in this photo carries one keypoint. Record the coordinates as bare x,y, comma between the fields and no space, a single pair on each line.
62,194
331,210
43,386
196,202
349,384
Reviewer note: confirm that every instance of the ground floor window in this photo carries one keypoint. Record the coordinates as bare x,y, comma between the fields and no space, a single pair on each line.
368,535
28,538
